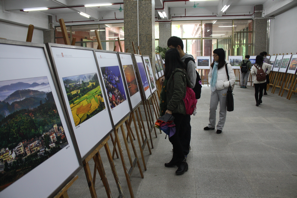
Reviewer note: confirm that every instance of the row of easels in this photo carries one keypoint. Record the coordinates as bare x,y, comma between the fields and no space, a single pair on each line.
143,134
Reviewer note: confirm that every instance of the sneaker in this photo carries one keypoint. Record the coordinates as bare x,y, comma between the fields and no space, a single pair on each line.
207,128
219,131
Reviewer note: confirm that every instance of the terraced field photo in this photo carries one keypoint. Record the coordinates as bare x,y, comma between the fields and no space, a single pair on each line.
84,96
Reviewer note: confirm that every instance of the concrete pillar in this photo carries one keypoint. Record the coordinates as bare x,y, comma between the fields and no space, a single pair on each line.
49,35
146,27
260,31
164,33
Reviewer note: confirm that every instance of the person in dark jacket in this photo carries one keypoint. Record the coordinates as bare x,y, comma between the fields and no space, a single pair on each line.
173,93
245,75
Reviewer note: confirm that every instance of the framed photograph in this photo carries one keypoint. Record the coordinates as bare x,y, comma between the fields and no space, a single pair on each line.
149,70
253,60
161,64
272,60
277,63
141,72
113,79
285,63
203,62
235,61
130,77
34,133
82,91
293,65
158,67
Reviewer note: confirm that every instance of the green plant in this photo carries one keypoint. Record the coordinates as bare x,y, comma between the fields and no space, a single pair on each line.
161,51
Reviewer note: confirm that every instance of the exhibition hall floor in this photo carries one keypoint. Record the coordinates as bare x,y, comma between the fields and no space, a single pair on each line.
255,156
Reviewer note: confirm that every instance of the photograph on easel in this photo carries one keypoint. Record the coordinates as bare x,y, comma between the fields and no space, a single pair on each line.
131,79
31,129
114,85
84,96
277,62
150,73
203,62
285,63
293,65
144,79
235,62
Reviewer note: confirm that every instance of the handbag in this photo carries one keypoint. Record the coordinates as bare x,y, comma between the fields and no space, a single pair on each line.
229,99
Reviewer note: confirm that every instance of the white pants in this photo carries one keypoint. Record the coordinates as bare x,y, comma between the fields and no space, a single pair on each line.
215,98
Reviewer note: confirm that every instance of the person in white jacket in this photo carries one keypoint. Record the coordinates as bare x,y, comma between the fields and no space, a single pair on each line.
259,85
219,84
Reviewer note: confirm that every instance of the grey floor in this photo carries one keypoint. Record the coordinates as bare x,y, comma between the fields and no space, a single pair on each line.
255,156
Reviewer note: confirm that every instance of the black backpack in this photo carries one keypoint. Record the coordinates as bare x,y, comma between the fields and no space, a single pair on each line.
198,86
244,67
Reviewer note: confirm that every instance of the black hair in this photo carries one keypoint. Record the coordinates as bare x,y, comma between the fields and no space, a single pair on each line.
172,61
175,41
221,53
259,60
247,56
263,53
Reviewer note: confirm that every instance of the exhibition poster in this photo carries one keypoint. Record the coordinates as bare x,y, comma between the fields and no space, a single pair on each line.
150,73
277,62
161,63
33,132
113,80
293,65
131,79
85,101
285,63
253,59
203,62
158,66
143,76
235,61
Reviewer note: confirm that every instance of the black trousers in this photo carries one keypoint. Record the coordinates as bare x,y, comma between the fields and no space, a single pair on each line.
186,135
259,91
175,140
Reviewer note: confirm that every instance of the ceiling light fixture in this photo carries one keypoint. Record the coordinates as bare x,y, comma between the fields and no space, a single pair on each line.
217,34
222,26
84,14
161,14
214,22
225,8
98,5
164,14
34,9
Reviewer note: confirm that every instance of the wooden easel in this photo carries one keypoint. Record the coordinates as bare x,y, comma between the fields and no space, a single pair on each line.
293,89
237,73
272,75
63,192
288,84
204,76
65,34
278,81
30,33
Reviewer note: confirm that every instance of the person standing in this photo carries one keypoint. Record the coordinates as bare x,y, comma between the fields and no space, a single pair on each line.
266,60
245,68
177,43
259,77
219,84
172,95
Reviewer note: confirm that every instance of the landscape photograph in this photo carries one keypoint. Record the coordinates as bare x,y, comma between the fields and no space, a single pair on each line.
30,127
235,62
114,85
84,96
131,79
253,61
203,62
277,63
285,63
293,64
150,72
144,79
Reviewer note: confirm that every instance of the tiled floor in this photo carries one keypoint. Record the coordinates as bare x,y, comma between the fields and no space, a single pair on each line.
255,156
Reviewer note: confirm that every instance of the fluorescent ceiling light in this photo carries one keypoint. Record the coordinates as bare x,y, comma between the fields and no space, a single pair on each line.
225,8
34,9
214,22
92,30
161,14
107,25
164,14
98,4
217,34
84,14
222,26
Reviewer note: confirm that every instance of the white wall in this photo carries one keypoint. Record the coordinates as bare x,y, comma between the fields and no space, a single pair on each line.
19,33
283,33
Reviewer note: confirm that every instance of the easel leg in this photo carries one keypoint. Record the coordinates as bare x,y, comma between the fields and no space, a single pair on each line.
141,126
151,117
89,179
127,146
124,165
138,138
147,122
114,151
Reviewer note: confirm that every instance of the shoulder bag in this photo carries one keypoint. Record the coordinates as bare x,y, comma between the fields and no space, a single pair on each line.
229,99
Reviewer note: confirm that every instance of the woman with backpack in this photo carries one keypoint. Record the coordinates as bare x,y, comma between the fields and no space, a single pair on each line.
172,95
221,76
259,72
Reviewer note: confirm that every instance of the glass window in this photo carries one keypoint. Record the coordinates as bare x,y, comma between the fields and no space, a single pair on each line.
217,28
157,31
194,47
187,29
